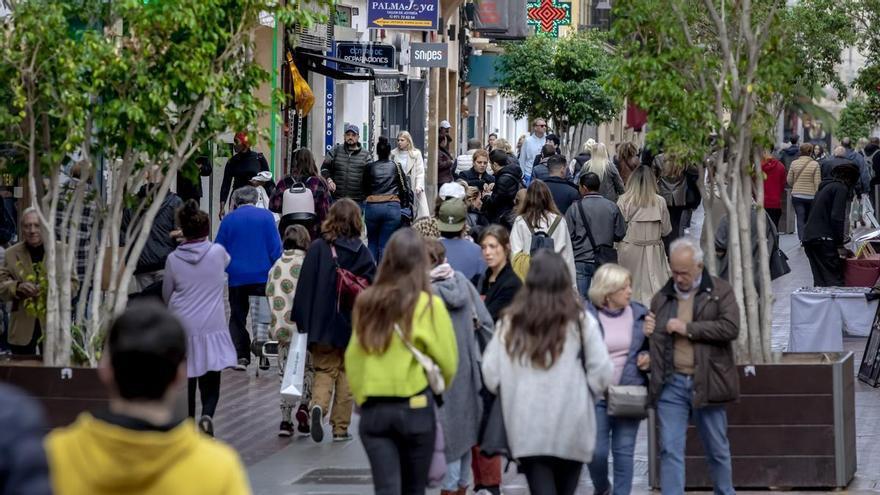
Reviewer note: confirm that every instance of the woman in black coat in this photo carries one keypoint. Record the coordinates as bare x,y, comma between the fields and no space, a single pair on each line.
499,284
317,312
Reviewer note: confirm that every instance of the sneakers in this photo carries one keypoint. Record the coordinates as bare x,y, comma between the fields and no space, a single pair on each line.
206,424
302,420
342,437
317,426
286,429
242,364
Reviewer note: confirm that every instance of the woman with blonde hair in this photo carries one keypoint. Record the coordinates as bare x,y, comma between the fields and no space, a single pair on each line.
623,324
610,183
647,218
413,165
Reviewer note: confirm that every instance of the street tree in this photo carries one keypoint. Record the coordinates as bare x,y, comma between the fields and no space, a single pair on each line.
867,16
559,79
856,120
121,89
727,68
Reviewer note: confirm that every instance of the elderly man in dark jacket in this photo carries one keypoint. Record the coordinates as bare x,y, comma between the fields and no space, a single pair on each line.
344,167
693,373
824,235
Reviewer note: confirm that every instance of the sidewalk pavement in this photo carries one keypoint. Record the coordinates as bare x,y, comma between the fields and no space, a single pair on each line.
248,418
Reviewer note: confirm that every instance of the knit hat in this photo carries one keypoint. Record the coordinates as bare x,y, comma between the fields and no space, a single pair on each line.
427,227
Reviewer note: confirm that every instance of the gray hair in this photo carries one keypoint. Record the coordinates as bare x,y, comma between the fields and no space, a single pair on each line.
27,211
690,245
246,195
839,152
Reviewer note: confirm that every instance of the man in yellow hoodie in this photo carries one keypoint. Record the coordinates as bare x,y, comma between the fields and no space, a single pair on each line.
138,446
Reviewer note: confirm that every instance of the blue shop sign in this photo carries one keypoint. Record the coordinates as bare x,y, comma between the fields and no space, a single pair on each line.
419,15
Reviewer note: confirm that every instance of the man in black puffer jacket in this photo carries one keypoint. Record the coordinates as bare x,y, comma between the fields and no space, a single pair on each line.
498,207
824,235
344,167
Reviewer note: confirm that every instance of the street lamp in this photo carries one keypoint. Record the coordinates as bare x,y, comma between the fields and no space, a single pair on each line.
603,5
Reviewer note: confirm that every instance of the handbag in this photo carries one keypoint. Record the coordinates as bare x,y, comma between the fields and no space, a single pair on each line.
601,254
493,434
292,383
407,198
438,468
348,285
432,371
627,401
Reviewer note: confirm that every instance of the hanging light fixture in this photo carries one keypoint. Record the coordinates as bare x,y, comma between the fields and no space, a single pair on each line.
603,5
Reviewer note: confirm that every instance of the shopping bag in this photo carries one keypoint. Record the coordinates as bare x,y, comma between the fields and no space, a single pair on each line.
437,471
292,384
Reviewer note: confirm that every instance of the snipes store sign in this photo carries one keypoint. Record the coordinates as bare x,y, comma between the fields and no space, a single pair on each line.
429,55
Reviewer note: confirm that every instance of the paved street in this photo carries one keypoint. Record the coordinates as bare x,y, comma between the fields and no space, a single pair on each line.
248,418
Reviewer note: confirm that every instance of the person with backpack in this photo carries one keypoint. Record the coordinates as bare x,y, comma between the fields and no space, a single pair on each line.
672,185
546,366
402,352
387,191
193,288
324,312
302,181
595,224
641,250
539,225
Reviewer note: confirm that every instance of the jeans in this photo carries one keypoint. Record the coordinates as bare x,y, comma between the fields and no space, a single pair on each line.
458,473
239,306
382,219
673,412
802,212
584,273
209,390
623,433
399,440
261,317
551,475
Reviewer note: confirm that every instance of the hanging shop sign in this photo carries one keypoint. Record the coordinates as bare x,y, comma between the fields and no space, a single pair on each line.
387,86
548,15
378,54
429,55
419,15
329,111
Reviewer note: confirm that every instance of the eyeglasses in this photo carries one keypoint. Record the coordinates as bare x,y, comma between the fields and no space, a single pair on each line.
540,125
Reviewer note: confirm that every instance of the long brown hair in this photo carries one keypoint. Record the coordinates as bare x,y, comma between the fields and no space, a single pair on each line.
537,204
303,164
539,336
343,220
400,281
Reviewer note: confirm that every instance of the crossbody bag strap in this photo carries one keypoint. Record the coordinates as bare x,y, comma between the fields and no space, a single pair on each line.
333,254
587,226
554,225
798,176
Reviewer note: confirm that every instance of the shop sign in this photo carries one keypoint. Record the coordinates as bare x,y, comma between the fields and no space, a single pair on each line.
378,54
387,86
429,55
329,112
419,15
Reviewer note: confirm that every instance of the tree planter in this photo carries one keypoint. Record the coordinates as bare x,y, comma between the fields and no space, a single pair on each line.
793,427
63,392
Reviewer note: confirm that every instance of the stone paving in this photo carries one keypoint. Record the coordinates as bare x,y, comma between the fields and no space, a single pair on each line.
248,417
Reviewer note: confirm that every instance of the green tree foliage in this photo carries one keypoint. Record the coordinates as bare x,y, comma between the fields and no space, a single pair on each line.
121,87
856,120
559,79
868,80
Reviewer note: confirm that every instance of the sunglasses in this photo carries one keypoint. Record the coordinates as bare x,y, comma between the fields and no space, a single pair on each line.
541,125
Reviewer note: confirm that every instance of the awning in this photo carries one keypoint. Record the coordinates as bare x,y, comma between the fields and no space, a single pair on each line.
317,62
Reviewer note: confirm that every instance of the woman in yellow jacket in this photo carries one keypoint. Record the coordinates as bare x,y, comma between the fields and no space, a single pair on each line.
397,408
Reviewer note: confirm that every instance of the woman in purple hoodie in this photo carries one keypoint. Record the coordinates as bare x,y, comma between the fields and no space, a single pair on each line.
195,278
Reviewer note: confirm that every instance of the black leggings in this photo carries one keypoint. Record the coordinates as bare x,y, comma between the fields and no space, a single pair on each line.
209,390
551,475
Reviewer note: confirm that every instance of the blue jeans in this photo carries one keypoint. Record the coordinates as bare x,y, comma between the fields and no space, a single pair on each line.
802,209
458,473
584,273
382,220
673,412
623,433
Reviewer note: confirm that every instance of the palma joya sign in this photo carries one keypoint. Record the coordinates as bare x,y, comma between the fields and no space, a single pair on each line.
419,15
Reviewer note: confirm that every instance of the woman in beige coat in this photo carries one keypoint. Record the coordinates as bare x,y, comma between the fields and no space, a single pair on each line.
413,165
641,251
804,176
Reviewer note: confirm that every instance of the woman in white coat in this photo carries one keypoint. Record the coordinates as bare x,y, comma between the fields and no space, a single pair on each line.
413,165
538,213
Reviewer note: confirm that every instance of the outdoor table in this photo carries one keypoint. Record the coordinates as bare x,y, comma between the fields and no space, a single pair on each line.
820,315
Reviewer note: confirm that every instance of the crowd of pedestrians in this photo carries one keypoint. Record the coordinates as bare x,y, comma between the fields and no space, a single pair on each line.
432,331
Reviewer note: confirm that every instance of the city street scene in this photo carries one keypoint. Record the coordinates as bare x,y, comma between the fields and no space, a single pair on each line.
457,247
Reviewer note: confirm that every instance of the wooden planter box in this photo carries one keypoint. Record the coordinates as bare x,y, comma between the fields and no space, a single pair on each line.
793,427
63,392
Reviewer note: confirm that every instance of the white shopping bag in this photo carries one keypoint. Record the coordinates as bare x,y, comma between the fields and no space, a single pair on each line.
292,383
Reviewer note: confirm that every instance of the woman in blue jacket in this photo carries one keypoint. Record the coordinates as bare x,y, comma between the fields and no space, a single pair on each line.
623,323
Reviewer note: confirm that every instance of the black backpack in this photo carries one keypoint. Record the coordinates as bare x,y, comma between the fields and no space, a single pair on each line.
543,240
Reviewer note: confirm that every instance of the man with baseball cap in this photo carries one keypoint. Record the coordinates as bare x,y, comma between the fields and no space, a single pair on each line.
444,128
241,168
463,254
344,167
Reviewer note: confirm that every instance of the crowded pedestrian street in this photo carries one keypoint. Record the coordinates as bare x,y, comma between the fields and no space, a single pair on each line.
445,247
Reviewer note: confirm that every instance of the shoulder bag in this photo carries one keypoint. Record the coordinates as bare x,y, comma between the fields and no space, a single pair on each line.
432,371
348,285
601,254
623,401
407,198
